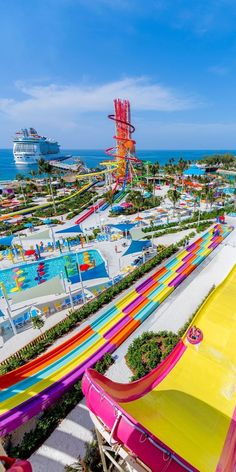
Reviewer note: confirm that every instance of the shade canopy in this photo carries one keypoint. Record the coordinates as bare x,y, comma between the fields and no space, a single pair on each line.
72,229
6,241
49,287
137,246
46,234
123,226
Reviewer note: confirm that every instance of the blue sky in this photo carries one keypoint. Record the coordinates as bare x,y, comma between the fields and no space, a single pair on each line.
63,62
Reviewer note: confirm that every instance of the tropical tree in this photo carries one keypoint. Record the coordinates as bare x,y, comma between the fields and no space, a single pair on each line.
173,196
181,166
21,179
210,196
33,174
46,168
37,323
148,167
155,171
109,197
135,197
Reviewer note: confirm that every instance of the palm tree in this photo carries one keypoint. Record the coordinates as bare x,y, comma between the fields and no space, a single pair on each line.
182,165
21,179
135,197
210,196
147,165
173,196
155,170
33,174
46,168
109,197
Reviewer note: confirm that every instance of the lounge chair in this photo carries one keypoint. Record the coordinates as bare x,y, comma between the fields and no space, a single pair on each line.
58,306
27,317
67,302
34,312
46,310
77,299
19,322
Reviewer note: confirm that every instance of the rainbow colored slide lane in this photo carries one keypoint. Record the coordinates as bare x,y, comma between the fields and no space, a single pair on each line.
34,386
181,416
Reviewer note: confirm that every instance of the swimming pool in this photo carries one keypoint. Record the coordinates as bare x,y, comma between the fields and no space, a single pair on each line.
65,264
227,191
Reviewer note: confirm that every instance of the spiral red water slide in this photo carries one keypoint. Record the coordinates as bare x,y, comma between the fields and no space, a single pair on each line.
123,152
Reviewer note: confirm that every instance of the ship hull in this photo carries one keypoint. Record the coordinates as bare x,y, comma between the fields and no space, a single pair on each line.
27,159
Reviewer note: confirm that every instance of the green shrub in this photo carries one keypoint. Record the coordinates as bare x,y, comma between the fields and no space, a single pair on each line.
92,459
148,350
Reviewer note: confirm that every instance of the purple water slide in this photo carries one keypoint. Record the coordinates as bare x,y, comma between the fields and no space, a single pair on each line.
175,282
183,267
117,327
13,419
213,245
145,285
134,303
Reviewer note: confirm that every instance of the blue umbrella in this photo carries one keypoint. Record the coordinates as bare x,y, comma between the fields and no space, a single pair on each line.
47,221
28,225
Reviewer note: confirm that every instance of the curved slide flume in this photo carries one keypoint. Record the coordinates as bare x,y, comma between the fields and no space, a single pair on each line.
29,389
46,205
181,416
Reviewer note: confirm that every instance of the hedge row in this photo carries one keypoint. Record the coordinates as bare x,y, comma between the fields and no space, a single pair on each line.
199,228
51,417
74,317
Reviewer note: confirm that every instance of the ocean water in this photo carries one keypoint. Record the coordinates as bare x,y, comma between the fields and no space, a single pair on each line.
92,158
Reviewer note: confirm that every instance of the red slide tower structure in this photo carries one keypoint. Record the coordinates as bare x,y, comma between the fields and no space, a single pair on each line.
124,149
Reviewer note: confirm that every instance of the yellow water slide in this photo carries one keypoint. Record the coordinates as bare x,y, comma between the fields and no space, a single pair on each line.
188,404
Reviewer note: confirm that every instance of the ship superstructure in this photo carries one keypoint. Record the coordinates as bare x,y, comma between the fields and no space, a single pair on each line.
29,147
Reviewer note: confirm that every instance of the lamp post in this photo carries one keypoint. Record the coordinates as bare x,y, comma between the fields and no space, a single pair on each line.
71,299
63,281
53,238
199,213
143,257
80,277
152,242
4,293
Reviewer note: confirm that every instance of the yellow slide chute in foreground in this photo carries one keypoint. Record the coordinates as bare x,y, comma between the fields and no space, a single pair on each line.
191,409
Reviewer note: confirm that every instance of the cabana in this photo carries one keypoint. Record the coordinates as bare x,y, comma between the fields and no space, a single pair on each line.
137,246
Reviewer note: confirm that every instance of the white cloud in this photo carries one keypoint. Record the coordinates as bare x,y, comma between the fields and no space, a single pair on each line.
73,99
76,114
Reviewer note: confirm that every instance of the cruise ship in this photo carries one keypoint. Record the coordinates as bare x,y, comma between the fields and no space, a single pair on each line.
29,147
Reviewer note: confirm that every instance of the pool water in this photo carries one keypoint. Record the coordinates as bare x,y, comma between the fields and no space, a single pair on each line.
228,191
64,264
